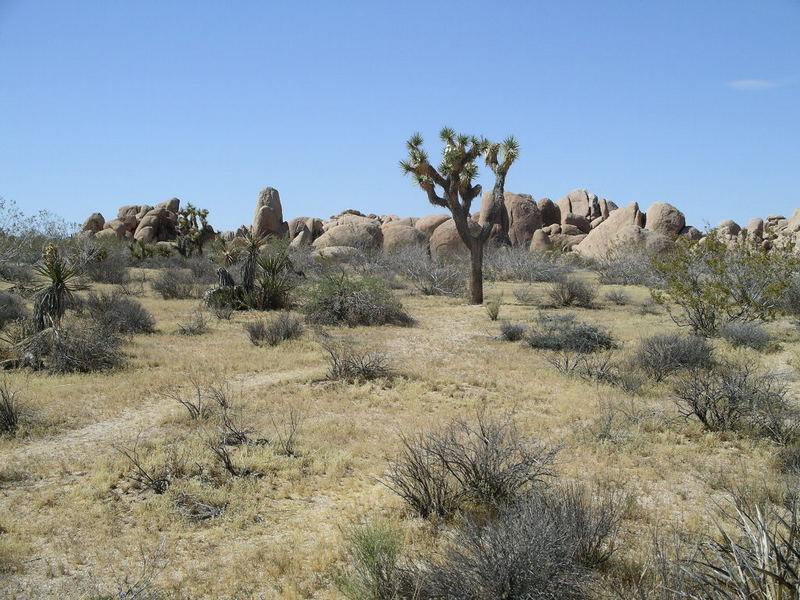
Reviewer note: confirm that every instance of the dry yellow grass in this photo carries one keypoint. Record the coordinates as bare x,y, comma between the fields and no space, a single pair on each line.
72,524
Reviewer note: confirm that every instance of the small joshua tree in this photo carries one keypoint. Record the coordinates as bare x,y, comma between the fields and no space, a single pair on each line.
454,178
52,299
192,227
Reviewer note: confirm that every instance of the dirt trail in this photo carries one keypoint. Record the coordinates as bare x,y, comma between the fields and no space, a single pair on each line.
66,447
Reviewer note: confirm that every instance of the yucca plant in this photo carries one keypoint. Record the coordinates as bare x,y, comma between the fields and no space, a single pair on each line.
760,561
51,300
274,279
251,244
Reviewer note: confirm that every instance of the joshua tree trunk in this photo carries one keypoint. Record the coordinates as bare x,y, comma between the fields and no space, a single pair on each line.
476,272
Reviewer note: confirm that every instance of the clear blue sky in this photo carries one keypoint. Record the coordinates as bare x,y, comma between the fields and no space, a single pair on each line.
112,102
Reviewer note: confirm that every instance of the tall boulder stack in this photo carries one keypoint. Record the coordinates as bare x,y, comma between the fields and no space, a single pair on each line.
158,225
268,217
519,217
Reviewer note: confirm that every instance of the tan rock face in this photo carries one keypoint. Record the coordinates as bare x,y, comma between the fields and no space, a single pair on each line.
158,225
428,224
540,242
518,218
397,236
551,214
445,240
665,219
578,221
366,235
94,223
268,217
600,239
729,228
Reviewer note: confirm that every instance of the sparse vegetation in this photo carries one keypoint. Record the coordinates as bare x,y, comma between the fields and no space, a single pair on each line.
570,291
175,284
10,409
512,332
750,335
116,313
564,332
662,355
196,324
348,362
11,308
283,327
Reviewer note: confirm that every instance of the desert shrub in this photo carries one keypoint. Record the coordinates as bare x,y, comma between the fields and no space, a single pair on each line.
223,312
117,313
791,297
735,396
10,409
373,552
431,276
662,355
175,284
789,459
16,273
626,266
196,324
271,278
11,308
481,465
566,333
203,270
572,292
748,334
348,362
520,264
283,327
618,297
493,309
340,299
758,560
525,295
713,283
83,348
606,368
544,545
106,265
512,332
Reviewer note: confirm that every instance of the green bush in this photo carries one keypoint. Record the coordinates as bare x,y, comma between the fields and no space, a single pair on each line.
713,283
342,300
563,332
373,551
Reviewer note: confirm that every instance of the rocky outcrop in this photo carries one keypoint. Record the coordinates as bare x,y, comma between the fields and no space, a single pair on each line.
94,223
428,225
665,219
519,217
268,217
353,231
549,211
397,235
445,240
158,225
601,239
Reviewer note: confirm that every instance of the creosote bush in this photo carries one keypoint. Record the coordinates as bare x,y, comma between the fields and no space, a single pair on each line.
196,324
11,308
493,309
175,284
735,396
572,292
512,332
622,266
564,332
283,327
117,313
618,297
664,354
348,362
105,264
82,348
545,544
342,300
468,465
431,276
750,335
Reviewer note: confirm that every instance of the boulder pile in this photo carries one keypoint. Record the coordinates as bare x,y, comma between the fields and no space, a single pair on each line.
580,222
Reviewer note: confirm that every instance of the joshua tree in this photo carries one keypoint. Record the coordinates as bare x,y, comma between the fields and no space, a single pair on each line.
454,177
192,229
